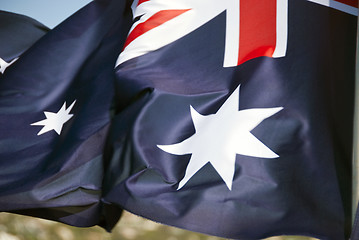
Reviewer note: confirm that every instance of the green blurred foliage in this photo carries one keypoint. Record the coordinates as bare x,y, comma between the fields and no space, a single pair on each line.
130,227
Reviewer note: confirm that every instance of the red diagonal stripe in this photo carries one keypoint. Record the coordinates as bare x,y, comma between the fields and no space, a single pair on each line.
154,21
142,1
353,3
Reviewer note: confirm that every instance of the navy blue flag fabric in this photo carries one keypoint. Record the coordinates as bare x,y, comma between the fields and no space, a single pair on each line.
244,152
231,118
55,103
18,33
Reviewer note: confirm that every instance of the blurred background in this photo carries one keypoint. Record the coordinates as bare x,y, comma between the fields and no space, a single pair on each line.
131,227
49,13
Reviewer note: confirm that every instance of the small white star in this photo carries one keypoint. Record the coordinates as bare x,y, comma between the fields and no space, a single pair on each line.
55,121
219,137
4,65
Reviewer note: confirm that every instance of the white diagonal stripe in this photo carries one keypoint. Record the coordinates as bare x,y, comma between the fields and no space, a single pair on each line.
337,5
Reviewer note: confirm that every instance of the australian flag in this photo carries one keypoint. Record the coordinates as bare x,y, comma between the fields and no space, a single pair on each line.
55,108
234,118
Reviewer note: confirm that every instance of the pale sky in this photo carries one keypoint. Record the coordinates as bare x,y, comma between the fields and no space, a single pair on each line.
48,12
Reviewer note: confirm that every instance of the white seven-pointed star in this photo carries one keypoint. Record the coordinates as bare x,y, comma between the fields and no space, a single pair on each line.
55,121
220,136
4,65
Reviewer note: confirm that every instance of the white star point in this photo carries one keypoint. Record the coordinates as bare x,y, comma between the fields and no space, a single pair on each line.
220,137
55,121
4,64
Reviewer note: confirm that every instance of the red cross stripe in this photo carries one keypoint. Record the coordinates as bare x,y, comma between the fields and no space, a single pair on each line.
254,28
257,34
